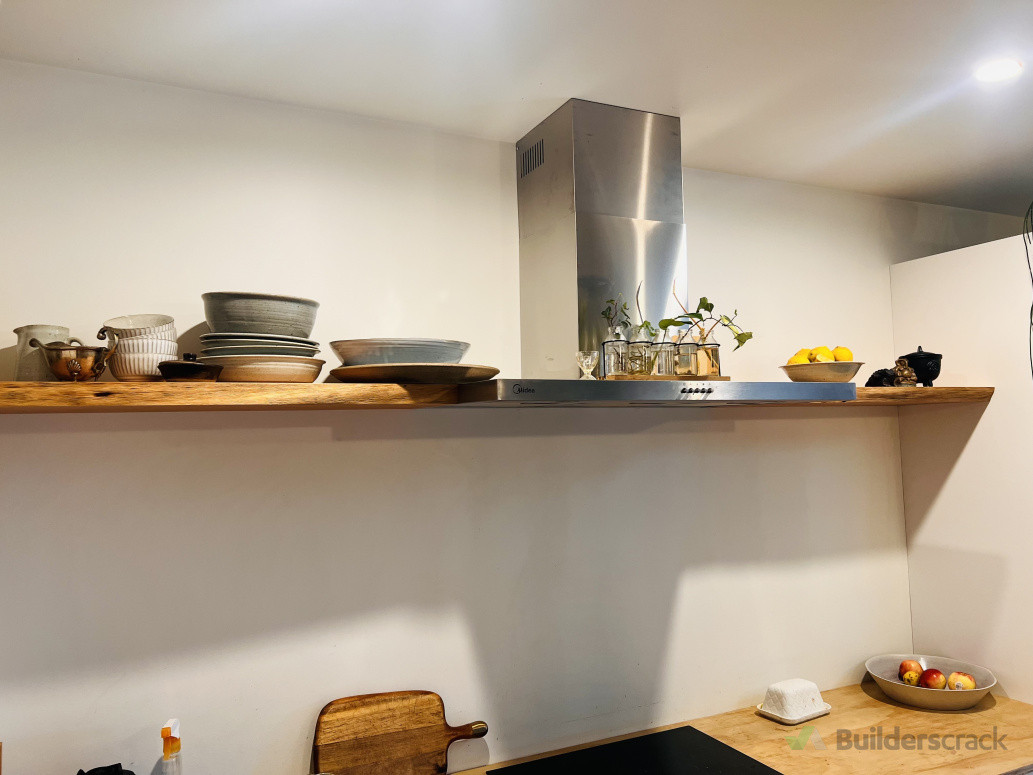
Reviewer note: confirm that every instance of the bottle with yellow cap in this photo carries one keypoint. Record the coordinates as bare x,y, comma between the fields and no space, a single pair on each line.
170,762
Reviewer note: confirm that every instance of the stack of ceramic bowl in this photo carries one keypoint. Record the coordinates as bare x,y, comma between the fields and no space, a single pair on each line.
143,341
259,337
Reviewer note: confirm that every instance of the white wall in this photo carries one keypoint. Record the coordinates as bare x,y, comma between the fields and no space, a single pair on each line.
148,196
562,574
966,468
806,266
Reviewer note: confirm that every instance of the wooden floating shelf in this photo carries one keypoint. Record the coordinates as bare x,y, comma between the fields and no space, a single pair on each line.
28,397
44,397
901,396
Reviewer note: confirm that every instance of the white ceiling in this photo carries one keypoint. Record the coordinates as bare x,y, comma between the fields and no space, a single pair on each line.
865,95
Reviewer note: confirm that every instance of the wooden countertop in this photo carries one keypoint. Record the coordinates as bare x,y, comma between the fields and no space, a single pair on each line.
859,708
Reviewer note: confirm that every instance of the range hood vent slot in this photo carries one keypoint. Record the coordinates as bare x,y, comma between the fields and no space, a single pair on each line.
532,158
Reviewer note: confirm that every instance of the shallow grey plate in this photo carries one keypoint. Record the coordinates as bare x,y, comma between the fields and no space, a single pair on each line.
241,337
883,669
420,373
262,349
362,352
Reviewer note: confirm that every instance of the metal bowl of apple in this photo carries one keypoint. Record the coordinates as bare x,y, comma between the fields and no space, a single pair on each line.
933,683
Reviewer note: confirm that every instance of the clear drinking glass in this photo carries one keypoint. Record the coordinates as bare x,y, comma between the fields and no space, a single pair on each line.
587,360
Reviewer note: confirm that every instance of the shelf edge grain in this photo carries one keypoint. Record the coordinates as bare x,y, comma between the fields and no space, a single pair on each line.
53,397
904,396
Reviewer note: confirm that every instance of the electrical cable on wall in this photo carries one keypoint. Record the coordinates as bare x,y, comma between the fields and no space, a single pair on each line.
1027,240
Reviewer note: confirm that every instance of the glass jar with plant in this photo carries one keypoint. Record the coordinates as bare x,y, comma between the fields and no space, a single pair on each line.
663,357
696,352
615,347
641,355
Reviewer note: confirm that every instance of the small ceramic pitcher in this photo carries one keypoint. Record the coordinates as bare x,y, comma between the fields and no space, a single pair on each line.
31,365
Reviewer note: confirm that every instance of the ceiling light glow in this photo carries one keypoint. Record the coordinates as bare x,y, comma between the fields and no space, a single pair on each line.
998,70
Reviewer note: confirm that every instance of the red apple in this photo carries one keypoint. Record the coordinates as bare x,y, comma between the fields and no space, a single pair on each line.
907,666
932,679
960,681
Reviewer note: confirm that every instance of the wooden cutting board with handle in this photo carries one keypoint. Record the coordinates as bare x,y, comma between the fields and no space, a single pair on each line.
395,733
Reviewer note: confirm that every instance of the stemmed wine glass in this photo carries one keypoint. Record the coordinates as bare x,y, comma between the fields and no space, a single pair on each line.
587,360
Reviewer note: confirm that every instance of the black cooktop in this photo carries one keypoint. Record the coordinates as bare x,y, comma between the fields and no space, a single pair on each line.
682,751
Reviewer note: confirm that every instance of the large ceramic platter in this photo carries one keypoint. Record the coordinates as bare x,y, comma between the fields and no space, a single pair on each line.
421,373
265,368
252,338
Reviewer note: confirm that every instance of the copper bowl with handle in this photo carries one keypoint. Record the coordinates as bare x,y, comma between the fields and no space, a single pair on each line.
73,361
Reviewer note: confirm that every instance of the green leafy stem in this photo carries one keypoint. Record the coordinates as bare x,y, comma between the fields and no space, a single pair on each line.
705,321
617,315
616,312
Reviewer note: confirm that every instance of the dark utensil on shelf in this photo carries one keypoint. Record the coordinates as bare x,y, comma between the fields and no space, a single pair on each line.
881,378
189,370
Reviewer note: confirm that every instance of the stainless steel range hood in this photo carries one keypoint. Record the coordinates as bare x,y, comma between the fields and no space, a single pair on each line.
574,392
599,191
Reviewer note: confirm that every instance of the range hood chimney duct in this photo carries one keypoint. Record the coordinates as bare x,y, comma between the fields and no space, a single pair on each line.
599,191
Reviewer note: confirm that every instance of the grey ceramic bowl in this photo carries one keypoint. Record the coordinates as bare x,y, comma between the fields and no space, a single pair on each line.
884,668
260,313
366,352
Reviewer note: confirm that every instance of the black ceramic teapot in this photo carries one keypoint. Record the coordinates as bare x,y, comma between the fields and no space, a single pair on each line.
926,365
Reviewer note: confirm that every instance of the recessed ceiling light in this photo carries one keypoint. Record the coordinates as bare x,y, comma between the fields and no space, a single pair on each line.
998,70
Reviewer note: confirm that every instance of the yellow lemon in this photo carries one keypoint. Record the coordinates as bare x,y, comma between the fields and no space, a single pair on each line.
799,358
823,358
804,353
843,354
822,351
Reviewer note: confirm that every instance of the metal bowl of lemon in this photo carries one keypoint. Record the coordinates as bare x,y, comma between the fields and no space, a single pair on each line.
822,364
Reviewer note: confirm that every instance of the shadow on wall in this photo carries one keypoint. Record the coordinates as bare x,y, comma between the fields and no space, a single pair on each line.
947,575
190,340
926,232
932,439
561,536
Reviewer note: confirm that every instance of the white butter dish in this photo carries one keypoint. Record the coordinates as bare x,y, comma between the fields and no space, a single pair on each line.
793,701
